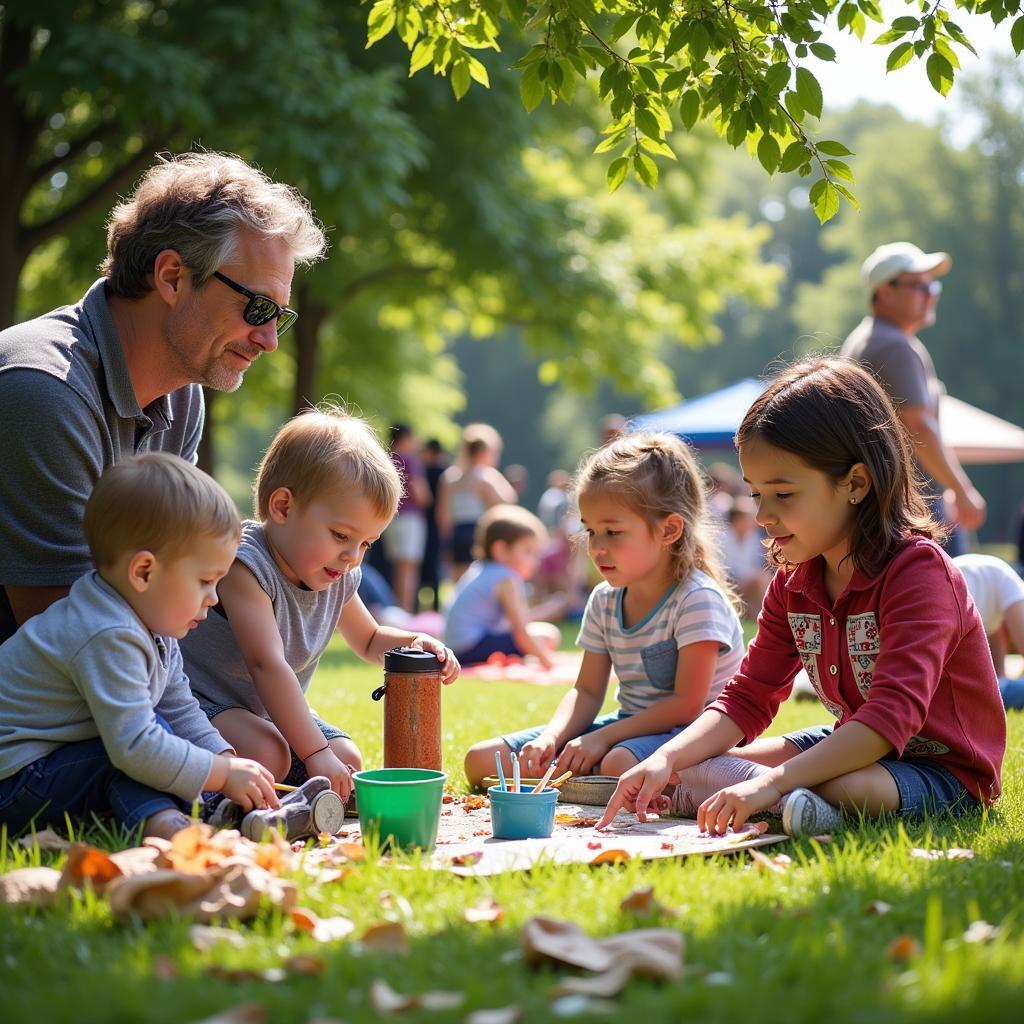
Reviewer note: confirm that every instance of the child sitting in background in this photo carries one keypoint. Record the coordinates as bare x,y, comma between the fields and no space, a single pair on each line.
97,714
662,618
874,610
325,491
489,614
998,593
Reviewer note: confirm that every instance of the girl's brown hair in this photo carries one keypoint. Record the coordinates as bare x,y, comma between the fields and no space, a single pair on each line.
656,475
832,413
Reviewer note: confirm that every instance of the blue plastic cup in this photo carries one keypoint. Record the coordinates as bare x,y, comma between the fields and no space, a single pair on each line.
522,815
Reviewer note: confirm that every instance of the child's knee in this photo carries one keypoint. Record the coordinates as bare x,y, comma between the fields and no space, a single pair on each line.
347,752
617,761
271,749
478,762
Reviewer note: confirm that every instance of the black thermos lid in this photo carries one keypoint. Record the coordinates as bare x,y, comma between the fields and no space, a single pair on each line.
410,660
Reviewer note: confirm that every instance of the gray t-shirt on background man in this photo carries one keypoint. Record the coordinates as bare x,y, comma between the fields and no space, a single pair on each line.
901,364
476,611
68,412
306,620
87,667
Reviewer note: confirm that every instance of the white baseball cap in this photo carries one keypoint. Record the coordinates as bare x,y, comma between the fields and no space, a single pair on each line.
888,261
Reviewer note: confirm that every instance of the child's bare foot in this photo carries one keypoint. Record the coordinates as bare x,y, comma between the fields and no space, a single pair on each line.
166,823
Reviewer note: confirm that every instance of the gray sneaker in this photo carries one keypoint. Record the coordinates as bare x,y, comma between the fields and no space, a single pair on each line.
311,809
804,813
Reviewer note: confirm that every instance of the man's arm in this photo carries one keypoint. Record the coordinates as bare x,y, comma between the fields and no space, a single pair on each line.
941,463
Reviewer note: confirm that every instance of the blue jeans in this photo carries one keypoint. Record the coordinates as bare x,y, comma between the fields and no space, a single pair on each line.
79,781
1012,692
924,786
641,747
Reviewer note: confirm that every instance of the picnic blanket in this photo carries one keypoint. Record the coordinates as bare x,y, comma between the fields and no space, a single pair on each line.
510,668
465,845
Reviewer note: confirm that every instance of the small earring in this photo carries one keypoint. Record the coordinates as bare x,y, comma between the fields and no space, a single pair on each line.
853,501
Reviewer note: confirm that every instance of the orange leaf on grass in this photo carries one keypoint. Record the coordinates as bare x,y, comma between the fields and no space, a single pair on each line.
87,864
323,929
903,947
642,901
610,857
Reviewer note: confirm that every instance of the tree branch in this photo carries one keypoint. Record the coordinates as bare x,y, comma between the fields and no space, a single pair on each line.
104,130
383,274
32,236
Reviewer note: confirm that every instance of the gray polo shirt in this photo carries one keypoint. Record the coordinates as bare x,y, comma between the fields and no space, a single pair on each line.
87,667
67,412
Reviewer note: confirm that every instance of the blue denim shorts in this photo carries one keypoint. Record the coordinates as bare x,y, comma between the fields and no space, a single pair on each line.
924,786
641,747
297,774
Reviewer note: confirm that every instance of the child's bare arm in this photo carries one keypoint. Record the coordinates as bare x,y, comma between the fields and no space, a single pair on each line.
251,615
369,639
575,711
518,614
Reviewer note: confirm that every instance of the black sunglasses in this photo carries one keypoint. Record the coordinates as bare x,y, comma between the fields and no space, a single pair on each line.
261,308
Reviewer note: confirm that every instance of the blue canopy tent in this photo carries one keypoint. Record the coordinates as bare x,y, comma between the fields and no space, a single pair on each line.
709,421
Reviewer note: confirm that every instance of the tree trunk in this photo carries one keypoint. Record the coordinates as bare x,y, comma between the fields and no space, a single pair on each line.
307,336
207,451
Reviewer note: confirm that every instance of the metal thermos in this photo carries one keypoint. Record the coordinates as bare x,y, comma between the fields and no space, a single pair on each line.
412,709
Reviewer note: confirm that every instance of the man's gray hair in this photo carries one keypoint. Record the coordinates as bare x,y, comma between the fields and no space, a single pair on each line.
195,204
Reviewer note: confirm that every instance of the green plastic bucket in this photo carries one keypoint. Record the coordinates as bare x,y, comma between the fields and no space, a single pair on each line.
400,805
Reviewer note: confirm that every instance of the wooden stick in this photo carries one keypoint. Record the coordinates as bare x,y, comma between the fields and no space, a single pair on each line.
547,777
282,788
555,783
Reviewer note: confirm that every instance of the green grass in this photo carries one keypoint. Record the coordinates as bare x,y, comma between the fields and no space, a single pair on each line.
798,946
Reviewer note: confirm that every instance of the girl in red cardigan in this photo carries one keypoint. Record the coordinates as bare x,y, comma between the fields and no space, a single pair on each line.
869,605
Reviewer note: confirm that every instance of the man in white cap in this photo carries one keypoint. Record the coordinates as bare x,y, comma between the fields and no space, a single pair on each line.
904,288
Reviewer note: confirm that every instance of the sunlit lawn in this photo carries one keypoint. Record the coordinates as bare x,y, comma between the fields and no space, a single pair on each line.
803,945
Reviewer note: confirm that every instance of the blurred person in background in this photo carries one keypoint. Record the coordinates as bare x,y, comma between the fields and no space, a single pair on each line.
405,538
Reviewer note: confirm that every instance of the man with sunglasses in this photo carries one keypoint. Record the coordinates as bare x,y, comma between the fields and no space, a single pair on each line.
904,289
196,286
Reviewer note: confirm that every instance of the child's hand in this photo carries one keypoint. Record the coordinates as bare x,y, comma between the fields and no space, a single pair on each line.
249,784
536,755
325,762
639,790
735,804
580,755
450,667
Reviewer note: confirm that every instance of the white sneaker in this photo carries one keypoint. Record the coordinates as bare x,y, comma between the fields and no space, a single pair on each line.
804,813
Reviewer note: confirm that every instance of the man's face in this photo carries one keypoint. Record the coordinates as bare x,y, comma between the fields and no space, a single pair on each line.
206,334
909,301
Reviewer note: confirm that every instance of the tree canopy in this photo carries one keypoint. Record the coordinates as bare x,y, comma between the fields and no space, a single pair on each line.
738,65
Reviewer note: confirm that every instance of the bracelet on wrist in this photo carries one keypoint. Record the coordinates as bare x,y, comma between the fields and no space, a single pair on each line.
317,751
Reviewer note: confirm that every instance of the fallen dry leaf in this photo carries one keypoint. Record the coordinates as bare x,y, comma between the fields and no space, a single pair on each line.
447,798
86,864
751,830
238,975
206,936
499,1015
387,937
879,907
323,929
467,860
654,952
487,910
594,845
305,963
610,857
386,1001
642,901
136,860
575,820
47,839
230,890
244,1013
35,886
777,864
396,902
473,802
604,985
903,947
